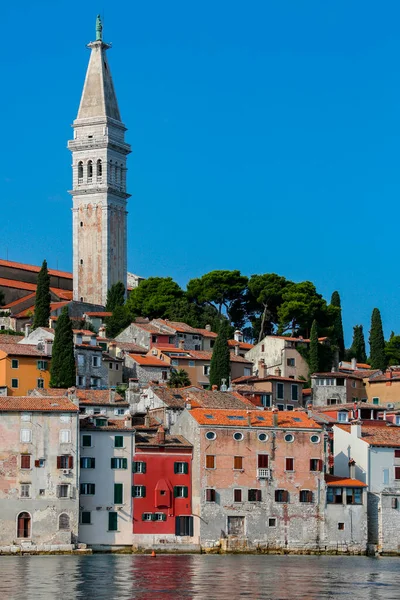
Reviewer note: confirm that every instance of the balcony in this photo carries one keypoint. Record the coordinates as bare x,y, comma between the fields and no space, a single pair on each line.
263,473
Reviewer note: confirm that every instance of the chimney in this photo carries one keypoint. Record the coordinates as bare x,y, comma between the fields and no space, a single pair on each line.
160,437
48,347
355,428
262,369
388,373
352,468
278,372
208,327
147,419
238,336
27,329
182,344
275,416
102,331
249,418
127,420
354,367
188,404
112,395
112,349
214,388
237,350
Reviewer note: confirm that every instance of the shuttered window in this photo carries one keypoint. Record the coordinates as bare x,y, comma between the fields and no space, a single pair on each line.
210,461
237,495
315,464
306,496
119,441
210,495
25,461
65,461
181,467
238,462
119,463
263,461
139,467
118,493
112,521
281,496
289,464
180,491
184,526
254,496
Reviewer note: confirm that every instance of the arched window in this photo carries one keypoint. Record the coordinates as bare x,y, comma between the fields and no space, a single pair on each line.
90,171
63,522
24,525
99,170
80,171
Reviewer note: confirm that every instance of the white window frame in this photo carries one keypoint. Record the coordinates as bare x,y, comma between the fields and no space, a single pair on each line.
65,436
26,436
206,370
25,491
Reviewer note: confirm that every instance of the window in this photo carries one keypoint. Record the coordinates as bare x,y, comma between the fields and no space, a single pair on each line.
86,441
334,495
295,392
315,439
96,361
340,526
342,416
184,526
254,495
118,493
14,363
26,416
81,360
263,437
279,391
86,518
24,525
237,495
63,522
25,461
272,522
238,436
40,383
14,383
160,517
112,521
397,472
206,370
99,171
139,491
119,463
139,467
119,411
289,407
266,400
119,441
395,503
65,462
26,436
191,363
154,339
88,462
247,371
81,380
40,463
210,461
289,464
315,464
262,348
280,407
306,496
42,365
80,171
236,526
289,438
25,490
65,436
88,489
181,468
175,362
353,495
180,491
210,495
62,490
41,492
290,362
397,453
262,461
281,496
211,435
238,462
147,517
89,171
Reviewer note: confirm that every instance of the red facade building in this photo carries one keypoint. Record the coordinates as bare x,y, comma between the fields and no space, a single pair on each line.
161,487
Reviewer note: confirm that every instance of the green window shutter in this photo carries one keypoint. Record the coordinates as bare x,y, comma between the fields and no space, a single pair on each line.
143,519
185,491
125,463
118,441
143,491
113,463
93,460
143,467
175,467
186,468
118,493
112,521
134,465
133,491
164,517
154,517
175,491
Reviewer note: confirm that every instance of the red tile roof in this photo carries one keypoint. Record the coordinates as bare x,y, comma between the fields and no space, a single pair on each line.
130,347
149,361
18,285
333,480
34,268
251,379
6,338
150,439
87,397
33,403
18,301
98,314
117,425
204,355
242,345
386,435
20,349
62,294
286,419
205,332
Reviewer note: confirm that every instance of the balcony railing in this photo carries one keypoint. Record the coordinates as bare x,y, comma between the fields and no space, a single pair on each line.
263,473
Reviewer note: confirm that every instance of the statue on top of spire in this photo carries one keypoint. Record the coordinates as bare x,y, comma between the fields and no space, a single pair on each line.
99,29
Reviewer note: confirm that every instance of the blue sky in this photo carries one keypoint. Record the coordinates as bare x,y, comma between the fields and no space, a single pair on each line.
265,137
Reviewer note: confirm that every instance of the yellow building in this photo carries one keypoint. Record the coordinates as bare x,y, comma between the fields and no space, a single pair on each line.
23,367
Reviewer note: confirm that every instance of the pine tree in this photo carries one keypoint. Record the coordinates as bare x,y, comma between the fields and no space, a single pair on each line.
338,336
313,361
42,300
377,342
357,349
62,370
220,367
115,296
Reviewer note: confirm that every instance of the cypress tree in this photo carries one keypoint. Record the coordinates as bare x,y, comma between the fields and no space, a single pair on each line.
62,370
377,342
338,336
357,349
313,361
220,367
42,299
115,296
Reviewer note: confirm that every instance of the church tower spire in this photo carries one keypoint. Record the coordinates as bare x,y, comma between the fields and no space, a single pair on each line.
99,153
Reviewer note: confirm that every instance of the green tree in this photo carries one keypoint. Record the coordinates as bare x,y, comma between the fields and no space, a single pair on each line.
220,366
62,370
153,298
223,290
42,299
301,304
313,362
357,349
178,379
392,350
337,333
115,296
118,321
377,342
263,298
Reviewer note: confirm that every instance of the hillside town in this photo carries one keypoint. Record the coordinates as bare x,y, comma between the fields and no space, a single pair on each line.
138,417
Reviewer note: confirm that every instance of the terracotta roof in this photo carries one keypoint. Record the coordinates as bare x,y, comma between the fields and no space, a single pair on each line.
343,365
172,397
87,346
218,400
98,314
150,439
84,332
34,403
385,435
87,397
62,294
21,349
49,392
348,406
170,348
333,480
291,339
286,419
149,361
177,325
34,268
18,285
109,357
18,301
342,374
242,345
205,333
306,391
151,328
117,425
380,378
130,347
204,355
254,379
6,338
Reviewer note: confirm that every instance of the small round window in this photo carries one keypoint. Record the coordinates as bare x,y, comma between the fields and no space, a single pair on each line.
210,435
315,439
289,437
238,436
263,437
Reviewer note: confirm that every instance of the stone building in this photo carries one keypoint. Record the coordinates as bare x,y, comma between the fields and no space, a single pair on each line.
337,387
276,351
39,470
99,153
145,368
271,390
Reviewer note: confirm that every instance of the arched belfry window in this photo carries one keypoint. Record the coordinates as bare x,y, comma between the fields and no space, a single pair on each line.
63,522
80,171
99,172
24,525
90,171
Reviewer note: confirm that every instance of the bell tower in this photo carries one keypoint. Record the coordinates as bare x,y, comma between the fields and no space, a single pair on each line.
99,154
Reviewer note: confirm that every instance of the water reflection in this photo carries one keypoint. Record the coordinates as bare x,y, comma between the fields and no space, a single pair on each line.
198,577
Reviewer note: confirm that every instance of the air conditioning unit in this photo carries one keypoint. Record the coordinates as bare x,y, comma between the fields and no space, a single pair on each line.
103,411
98,507
66,471
263,473
40,346
109,507
390,405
